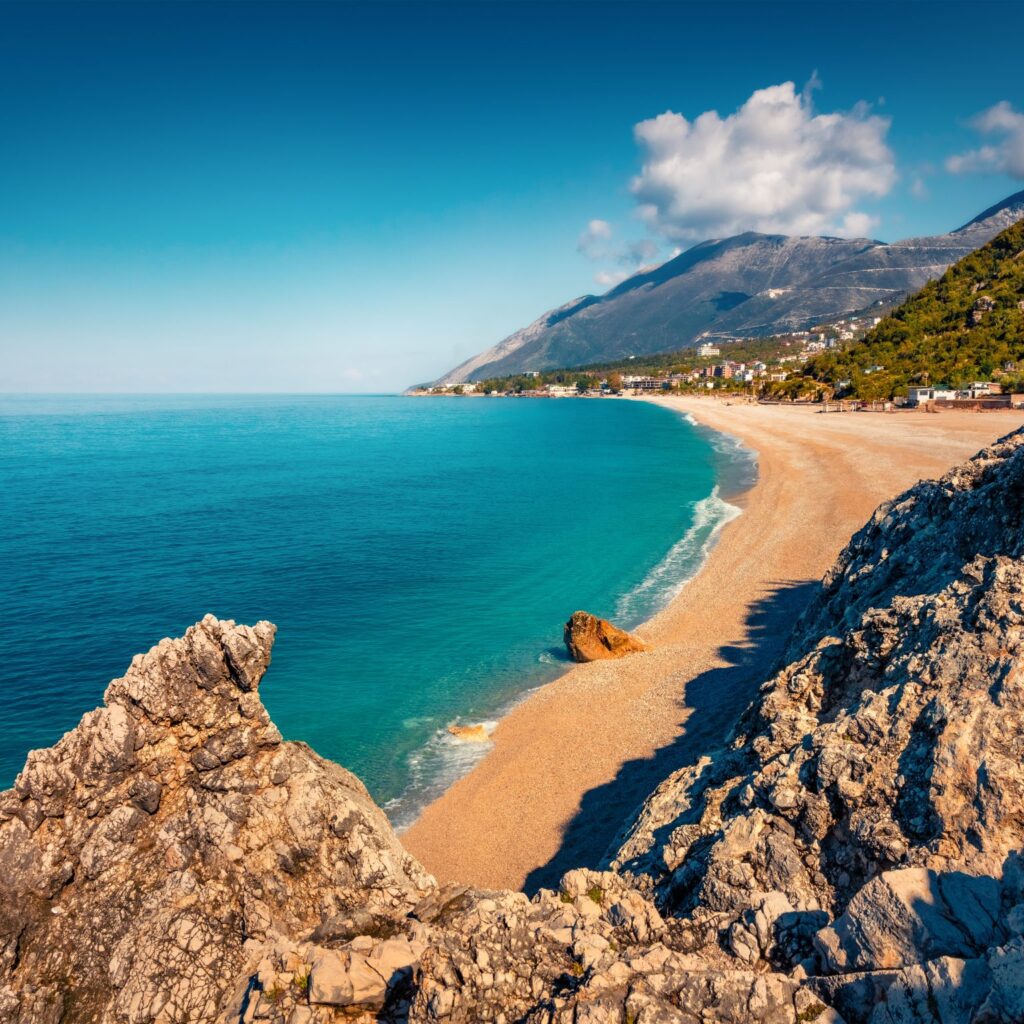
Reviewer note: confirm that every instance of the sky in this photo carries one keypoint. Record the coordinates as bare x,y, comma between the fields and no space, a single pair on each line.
344,197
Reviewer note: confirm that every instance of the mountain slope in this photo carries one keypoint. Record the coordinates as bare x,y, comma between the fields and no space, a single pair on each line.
751,284
956,329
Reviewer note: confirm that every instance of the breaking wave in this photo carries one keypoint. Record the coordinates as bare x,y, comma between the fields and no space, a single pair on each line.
682,562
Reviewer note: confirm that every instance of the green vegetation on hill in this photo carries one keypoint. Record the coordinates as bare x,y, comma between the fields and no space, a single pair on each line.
966,326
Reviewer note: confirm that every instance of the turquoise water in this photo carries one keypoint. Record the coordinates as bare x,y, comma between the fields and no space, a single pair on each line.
418,555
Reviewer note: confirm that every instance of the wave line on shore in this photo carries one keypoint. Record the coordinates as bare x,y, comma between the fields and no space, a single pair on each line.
682,563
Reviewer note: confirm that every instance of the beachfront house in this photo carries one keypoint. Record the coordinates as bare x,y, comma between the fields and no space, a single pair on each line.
918,396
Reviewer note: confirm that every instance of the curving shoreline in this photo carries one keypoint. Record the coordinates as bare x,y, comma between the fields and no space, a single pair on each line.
575,758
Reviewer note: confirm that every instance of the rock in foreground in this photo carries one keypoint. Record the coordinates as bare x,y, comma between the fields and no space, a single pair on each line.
171,827
588,638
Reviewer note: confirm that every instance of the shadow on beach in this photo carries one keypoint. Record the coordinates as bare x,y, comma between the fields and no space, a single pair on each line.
716,699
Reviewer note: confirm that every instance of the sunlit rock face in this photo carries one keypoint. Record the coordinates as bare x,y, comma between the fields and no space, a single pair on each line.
141,853
588,638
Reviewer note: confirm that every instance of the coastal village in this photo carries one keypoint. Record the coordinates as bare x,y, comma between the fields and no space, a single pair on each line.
763,369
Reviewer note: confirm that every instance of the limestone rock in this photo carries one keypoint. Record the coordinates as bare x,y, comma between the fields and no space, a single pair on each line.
588,638
894,736
905,917
141,852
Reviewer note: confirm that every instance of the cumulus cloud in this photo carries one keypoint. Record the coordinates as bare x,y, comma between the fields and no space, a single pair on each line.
774,165
610,278
1005,154
598,243
638,253
593,242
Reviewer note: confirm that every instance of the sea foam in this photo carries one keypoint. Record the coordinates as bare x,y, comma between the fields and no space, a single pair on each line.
682,562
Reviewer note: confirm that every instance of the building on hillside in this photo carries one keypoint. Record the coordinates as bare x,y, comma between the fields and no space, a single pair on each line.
708,350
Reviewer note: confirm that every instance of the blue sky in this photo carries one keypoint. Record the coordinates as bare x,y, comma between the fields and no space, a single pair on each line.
346,197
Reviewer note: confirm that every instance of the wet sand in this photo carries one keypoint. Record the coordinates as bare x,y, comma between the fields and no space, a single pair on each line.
578,755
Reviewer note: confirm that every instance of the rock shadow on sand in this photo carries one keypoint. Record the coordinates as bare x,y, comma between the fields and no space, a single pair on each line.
715,700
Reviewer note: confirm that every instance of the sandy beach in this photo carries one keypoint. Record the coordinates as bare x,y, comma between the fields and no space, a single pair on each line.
574,759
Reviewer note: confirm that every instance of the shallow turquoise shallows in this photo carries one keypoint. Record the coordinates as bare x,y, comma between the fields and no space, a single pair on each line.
418,555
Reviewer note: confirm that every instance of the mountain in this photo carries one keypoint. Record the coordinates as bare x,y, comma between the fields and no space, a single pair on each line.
959,328
748,285
851,855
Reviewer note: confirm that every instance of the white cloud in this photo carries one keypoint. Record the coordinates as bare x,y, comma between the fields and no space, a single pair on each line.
597,242
593,242
773,165
610,278
638,253
918,189
1005,155
857,225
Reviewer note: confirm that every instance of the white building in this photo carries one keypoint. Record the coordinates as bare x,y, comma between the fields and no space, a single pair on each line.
708,350
917,396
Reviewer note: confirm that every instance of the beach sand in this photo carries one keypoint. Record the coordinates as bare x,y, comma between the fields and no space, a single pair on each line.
573,760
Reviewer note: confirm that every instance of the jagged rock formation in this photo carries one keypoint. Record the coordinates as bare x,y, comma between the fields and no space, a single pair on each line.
852,855
880,771
748,285
142,852
588,638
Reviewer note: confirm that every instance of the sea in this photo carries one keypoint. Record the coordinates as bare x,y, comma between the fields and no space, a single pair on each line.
418,555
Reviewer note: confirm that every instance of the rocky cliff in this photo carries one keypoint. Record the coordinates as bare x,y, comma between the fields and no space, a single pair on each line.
141,853
852,853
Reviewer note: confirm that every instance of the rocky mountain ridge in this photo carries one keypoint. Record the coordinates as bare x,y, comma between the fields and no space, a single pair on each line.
852,852
748,285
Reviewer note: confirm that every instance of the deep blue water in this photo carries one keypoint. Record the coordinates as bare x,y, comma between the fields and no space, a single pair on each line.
418,555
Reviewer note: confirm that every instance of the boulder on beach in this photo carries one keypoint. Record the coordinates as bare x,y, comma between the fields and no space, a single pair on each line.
588,638
470,733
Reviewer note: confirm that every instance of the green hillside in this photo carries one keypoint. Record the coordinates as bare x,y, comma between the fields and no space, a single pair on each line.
968,325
